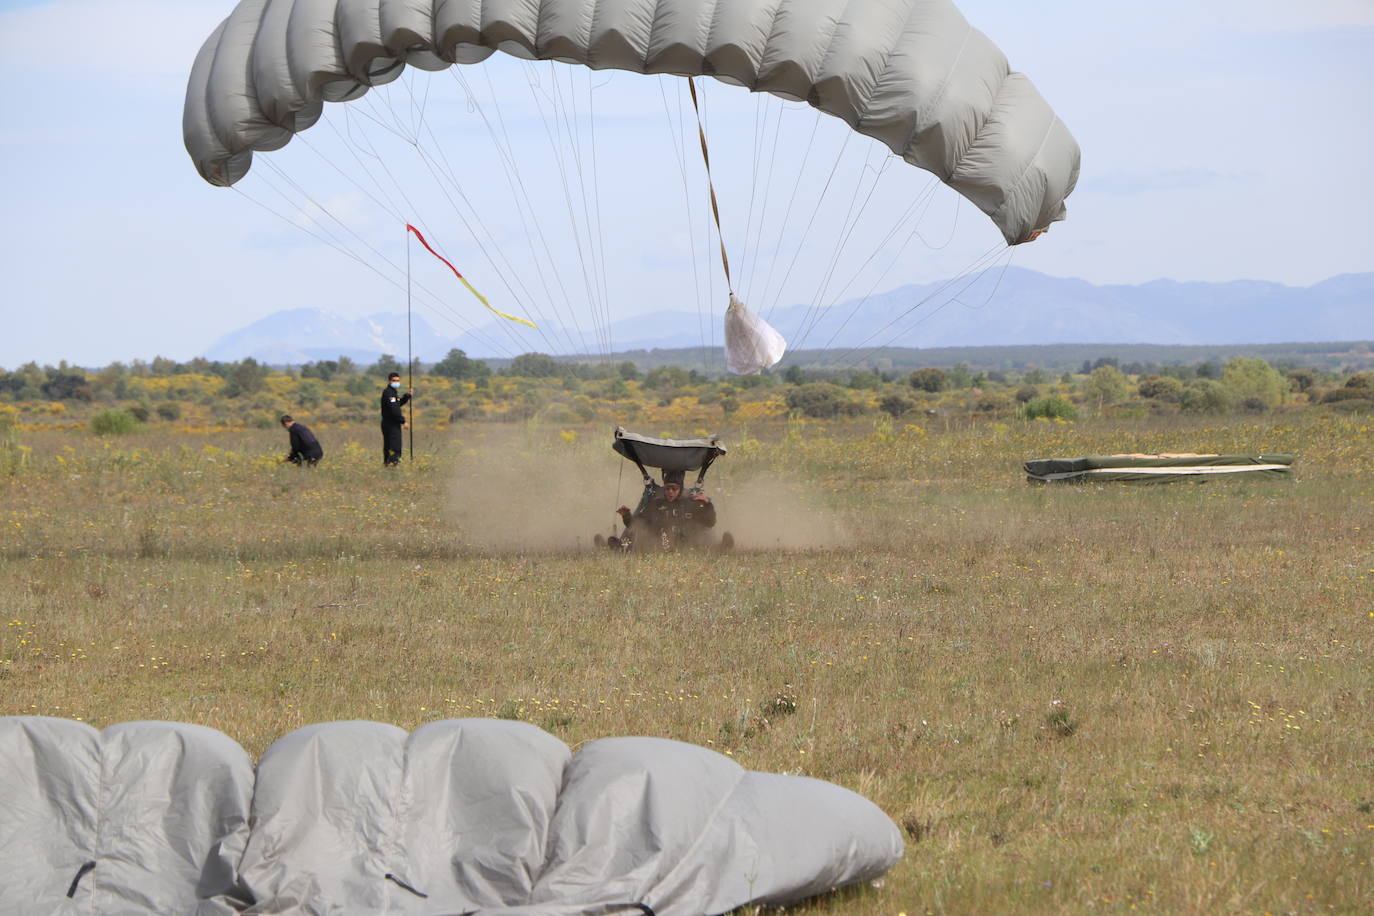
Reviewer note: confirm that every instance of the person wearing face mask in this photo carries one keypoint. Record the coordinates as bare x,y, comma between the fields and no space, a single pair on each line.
393,419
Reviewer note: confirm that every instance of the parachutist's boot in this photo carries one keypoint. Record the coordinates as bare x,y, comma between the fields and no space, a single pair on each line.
727,541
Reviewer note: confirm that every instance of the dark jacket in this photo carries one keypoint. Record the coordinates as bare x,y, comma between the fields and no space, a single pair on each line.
304,445
392,415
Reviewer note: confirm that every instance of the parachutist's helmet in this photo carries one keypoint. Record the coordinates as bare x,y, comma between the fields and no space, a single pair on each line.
673,477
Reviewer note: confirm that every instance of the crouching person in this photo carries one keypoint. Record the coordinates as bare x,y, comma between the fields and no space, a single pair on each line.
305,448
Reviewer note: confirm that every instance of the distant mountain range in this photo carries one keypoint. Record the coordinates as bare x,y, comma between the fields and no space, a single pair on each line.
1000,308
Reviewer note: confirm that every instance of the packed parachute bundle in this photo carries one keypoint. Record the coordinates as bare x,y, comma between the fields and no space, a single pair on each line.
912,74
469,816
1162,468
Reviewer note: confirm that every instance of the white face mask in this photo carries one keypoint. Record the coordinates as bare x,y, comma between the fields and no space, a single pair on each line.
395,384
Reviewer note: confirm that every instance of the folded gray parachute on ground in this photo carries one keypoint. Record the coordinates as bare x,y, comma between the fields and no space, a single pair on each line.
468,816
1166,468
912,74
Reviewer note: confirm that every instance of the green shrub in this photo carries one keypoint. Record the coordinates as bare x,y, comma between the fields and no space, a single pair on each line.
115,422
1051,407
169,410
1161,388
822,401
1248,380
1348,393
929,379
1206,396
894,405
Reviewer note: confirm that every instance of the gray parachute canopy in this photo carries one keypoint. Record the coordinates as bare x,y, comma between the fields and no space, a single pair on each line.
910,73
466,816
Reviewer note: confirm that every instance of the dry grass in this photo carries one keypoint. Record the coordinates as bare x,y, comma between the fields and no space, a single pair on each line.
1071,698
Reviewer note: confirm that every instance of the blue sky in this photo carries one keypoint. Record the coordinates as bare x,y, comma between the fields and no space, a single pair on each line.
1225,140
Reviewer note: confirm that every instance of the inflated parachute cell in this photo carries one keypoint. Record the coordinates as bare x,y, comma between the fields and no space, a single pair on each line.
911,73
465,816
143,817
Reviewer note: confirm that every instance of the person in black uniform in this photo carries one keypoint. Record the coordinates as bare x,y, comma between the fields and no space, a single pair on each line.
665,520
305,448
393,419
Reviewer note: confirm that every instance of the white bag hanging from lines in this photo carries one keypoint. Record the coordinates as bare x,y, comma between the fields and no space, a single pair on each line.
751,344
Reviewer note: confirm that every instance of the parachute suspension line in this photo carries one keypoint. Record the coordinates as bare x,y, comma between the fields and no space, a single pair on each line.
596,193
811,308
380,117
1011,255
715,208
410,353
388,205
396,212
709,305
922,202
570,146
449,173
980,264
471,289
955,297
413,140
746,264
341,246
816,310
809,223
557,151
676,136
847,225
761,105
409,211
786,216
524,205
411,208
596,242
535,89
237,188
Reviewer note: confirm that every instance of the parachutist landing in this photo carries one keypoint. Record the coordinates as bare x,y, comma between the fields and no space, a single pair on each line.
664,520
305,448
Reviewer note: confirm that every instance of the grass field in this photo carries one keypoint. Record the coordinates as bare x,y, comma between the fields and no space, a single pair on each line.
1074,698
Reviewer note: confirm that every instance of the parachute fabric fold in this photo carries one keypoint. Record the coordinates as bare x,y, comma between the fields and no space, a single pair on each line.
457,811
143,817
471,816
912,74
688,831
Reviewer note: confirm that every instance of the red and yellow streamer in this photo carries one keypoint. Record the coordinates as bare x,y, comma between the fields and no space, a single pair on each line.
480,297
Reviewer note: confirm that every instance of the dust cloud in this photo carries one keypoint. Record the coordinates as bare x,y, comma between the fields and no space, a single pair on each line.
766,513
514,498
509,500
